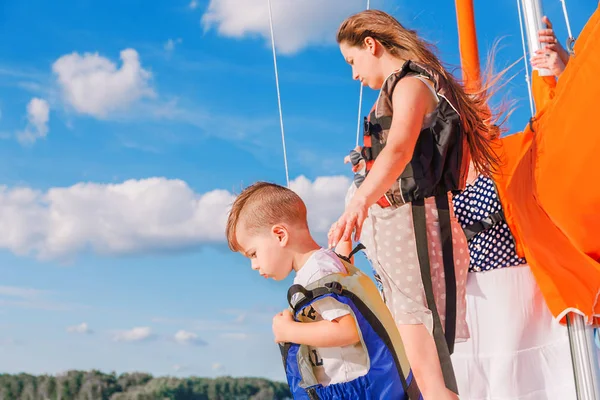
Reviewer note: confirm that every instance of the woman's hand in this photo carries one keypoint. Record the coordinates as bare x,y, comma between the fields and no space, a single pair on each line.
553,56
548,59
352,220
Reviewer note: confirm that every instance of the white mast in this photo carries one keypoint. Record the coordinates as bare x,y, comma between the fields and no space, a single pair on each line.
532,14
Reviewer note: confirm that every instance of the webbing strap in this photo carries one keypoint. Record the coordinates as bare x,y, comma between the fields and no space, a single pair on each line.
443,208
355,250
312,394
419,223
308,295
486,223
482,225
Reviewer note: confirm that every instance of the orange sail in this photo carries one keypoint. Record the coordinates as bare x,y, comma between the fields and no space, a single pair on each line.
549,183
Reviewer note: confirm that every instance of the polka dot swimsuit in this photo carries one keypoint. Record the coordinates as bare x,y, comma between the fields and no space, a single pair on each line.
495,247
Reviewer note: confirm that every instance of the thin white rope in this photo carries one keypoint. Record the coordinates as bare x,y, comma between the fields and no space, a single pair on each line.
571,40
564,7
359,114
525,59
359,123
287,176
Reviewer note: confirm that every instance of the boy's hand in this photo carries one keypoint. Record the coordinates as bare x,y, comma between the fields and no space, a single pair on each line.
282,324
358,166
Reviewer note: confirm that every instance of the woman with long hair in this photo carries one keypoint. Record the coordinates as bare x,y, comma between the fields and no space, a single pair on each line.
420,136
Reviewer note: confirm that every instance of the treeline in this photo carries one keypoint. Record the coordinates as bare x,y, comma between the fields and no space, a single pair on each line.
95,385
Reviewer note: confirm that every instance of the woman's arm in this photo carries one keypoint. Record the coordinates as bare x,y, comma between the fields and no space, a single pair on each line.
411,100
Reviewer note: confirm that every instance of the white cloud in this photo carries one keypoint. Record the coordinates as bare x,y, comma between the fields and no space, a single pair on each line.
35,299
82,328
217,367
235,336
193,4
241,318
9,342
136,216
38,115
170,44
188,338
93,84
21,292
296,24
324,199
201,325
137,334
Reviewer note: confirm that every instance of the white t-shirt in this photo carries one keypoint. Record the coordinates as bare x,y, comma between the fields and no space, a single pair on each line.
330,364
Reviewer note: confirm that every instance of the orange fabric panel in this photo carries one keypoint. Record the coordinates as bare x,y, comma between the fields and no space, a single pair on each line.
567,277
542,89
569,147
549,183
512,149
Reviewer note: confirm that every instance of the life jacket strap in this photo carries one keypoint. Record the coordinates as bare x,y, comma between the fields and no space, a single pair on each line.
444,338
479,226
355,157
355,250
309,295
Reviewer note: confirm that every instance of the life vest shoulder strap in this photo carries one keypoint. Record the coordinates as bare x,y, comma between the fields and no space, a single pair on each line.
355,250
308,296
486,223
482,225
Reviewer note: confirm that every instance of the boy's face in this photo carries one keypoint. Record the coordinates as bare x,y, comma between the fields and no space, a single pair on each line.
267,251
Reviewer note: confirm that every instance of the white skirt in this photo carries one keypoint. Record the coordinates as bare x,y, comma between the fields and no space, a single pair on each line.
517,350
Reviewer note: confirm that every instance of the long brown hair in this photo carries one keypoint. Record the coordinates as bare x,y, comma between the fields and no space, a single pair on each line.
479,122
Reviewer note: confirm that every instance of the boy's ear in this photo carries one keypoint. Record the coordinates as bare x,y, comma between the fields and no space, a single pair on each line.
281,234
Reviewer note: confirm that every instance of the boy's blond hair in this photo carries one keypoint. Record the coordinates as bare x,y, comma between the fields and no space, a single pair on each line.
261,206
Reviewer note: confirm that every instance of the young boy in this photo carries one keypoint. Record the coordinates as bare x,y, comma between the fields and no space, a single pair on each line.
267,223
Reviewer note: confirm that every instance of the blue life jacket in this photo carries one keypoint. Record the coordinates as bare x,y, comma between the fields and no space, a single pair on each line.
388,377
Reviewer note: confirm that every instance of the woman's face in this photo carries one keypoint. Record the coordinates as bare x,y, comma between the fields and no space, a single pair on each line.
365,63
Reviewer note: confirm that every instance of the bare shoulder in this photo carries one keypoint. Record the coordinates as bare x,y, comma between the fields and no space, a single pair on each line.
413,93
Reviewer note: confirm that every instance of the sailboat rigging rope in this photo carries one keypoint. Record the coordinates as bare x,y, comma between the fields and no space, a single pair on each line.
287,175
358,125
571,40
525,59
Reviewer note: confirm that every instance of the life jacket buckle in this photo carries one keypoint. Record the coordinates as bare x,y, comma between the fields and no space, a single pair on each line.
355,157
367,126
335,287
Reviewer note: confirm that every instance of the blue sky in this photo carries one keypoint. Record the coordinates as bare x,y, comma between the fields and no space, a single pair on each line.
125,129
